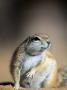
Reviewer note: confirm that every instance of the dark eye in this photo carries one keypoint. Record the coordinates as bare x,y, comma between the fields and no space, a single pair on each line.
35,39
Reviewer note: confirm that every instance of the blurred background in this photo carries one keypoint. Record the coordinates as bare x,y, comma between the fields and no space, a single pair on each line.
20,18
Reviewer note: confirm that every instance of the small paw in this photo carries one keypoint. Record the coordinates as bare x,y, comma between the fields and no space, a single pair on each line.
30,74
16,87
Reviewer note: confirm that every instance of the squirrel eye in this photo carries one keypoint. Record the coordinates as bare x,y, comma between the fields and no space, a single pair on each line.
35,39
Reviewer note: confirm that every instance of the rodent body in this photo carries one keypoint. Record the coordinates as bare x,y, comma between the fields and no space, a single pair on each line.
33,65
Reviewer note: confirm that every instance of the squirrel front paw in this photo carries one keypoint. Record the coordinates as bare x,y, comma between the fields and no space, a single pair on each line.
30,74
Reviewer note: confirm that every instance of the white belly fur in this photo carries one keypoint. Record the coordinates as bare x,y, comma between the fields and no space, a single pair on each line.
31,61
38,77
44,75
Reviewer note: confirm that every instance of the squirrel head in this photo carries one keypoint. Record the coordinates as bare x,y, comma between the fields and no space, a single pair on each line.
36,44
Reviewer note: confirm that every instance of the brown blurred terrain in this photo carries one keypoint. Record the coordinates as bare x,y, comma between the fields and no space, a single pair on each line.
11,88
19,19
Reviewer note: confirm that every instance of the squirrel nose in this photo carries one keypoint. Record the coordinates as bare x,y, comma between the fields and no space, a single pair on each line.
48,42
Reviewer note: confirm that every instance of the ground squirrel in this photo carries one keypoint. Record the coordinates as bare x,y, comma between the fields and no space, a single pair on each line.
33,65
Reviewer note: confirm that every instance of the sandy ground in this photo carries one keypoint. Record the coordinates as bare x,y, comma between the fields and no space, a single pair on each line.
9,87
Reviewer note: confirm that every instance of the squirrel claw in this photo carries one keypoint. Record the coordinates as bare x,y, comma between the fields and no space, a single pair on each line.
30,74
